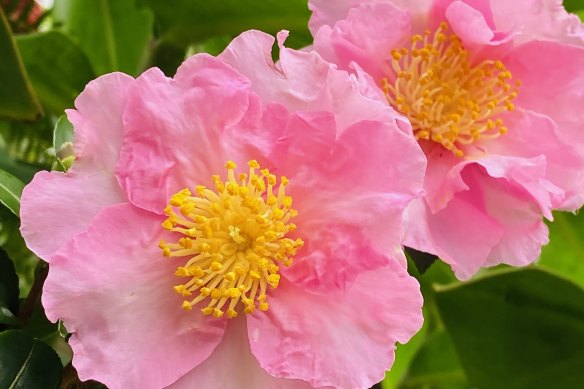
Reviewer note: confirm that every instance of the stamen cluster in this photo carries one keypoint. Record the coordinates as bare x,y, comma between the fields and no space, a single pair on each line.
234,240
448,99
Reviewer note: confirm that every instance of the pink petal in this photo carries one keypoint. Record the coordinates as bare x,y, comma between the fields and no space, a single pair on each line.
98,121
464,8
444,177
350,204
532,135
327,13
301,81
461,234
552,77
472,22
366,36
232,365
538,20
511,208
174,129
344,340
497,219
113,291
56,206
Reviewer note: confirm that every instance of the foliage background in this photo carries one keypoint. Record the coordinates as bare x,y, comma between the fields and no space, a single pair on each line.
507,328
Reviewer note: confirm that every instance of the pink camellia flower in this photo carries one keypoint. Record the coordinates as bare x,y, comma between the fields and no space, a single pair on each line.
236,226
493,91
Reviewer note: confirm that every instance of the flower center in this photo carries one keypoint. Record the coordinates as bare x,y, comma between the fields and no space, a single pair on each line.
447,99
234,240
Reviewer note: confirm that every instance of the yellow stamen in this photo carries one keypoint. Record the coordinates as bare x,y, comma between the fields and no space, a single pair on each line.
233,240
446,97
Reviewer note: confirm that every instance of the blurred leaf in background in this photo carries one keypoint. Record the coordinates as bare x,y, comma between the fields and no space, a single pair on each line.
565,252
18,100
183,22
58,69
113,33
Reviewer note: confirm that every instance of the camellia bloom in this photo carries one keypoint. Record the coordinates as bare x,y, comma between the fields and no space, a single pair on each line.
236,226
493,91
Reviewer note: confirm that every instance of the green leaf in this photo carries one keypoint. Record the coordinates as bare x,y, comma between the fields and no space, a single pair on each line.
17,98
63,142
565,252
517,329
12,242
435,365
573,5
8,318
8,287
10,191
57,67
27,363
26,143
184,22
113,33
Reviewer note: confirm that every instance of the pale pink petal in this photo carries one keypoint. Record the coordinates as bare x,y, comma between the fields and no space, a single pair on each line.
366,36
301,81
440,10
308,139
113,291
461,234
472,22
98,121
538,20
497,219
350,204
532,135
442,180
344,340
232,365
174,136
327,13
552,77
510,207
468,24
444,177
56,206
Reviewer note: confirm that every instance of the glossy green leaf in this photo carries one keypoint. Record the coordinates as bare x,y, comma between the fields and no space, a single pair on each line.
113,33
17,98
10,191
57,67
565,252
27,363
194,21
8,289
517,329
435,365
